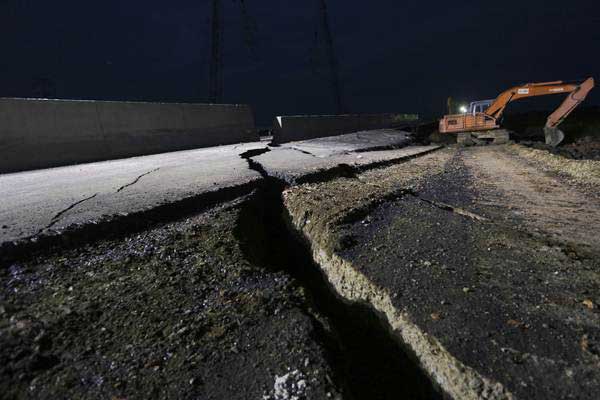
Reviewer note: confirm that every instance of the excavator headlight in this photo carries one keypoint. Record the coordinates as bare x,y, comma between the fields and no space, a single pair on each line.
463,109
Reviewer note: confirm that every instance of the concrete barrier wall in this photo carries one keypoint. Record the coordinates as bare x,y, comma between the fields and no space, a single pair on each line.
302,127
36,133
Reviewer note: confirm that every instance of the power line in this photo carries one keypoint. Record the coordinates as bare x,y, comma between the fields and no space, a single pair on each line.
215,68
334,76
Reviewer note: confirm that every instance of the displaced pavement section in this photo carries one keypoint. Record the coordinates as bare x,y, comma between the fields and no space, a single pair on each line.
183,310
40,133
300,161
47,201
468,268
439,252
197,304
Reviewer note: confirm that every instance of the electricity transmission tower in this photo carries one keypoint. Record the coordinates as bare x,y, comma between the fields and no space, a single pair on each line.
249,30
215,68
326,40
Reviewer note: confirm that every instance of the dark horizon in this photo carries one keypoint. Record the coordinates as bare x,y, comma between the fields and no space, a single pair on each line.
391,58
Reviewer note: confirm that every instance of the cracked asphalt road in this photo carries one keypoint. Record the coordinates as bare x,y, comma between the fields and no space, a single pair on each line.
47,201
35,202
136,180
185,308
483,264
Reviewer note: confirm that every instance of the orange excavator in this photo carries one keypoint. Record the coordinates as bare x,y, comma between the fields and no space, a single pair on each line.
481,120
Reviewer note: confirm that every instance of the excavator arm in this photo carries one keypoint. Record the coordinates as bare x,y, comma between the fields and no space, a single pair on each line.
528,90
554,135
571,102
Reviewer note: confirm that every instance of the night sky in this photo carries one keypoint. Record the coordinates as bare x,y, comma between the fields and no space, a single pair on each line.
406,56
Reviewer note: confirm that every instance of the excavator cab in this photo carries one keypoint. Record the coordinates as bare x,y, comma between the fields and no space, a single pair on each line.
479,106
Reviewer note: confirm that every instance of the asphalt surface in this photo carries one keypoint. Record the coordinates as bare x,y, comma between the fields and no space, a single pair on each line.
43,201
301,161
46,202
489,267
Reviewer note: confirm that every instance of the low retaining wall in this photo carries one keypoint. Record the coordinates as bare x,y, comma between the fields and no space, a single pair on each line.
37,133
302,127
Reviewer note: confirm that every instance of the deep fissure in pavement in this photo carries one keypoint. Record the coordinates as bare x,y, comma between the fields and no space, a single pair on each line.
368,359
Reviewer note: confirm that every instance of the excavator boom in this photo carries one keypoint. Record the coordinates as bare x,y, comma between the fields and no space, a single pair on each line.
554,135
528,90
488,119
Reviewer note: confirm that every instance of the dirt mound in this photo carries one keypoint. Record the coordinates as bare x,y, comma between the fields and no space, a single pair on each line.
587,148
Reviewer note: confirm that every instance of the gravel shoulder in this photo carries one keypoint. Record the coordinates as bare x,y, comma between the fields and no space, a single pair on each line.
512,190
583,172
485,266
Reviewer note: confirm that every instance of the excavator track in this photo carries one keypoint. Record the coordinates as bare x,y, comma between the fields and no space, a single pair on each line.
495,136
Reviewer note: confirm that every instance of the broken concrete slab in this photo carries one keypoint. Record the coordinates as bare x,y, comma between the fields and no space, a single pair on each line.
491,307
208,301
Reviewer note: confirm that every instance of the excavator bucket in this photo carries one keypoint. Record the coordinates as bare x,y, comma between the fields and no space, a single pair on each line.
554,136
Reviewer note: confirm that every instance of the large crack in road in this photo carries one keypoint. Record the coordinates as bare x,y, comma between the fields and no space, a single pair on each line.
368,359
394,356
347,285
99,293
